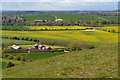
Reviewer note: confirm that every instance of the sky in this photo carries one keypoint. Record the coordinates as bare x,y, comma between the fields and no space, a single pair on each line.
84,5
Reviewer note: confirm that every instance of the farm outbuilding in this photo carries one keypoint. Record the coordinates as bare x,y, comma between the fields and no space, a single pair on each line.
39,48
15,47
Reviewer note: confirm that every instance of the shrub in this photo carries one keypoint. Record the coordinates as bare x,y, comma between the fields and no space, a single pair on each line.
113,30
10,57
67,49
58,50
91,47
10,64
18,57
5,55
29,60
22,58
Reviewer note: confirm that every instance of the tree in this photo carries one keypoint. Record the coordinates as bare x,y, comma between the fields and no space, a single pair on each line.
10,64
113,30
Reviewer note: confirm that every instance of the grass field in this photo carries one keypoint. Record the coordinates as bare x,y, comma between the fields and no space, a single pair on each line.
5,62
97,38
29,56
92,63
30,46
35,56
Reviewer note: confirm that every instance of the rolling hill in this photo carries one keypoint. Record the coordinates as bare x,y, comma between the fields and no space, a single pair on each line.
92,63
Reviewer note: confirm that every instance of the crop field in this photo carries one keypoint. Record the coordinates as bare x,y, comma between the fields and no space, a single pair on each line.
110,18
7,41
7,27
56,27
97,38
116,28
42,27
70,17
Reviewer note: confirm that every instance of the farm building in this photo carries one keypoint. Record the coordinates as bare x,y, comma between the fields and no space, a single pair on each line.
15,47
35,48
39,48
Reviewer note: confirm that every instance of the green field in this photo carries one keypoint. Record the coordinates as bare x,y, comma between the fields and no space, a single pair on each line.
97,38
35,56
29,56
30,46
70,17
92,63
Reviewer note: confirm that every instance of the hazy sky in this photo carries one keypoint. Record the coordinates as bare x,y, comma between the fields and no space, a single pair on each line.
59,5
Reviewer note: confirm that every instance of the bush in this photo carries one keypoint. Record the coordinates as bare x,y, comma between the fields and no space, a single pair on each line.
58,50
18,57
10,57
75,46
5,55
29,60
15,51
67,49
22,58
10,64
113,30
91,47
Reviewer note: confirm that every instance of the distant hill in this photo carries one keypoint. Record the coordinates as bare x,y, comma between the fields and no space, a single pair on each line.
71,17
92,63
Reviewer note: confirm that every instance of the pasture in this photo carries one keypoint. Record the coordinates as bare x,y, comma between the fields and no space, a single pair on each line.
92,63
28,56
35,56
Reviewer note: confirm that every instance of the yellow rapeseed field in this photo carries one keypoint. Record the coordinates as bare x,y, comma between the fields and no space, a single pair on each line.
81,36
57,27
110,28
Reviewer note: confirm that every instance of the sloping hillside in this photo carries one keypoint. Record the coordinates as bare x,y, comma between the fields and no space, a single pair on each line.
92,63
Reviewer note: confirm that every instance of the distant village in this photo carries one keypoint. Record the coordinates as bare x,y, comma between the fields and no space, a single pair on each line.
22,21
